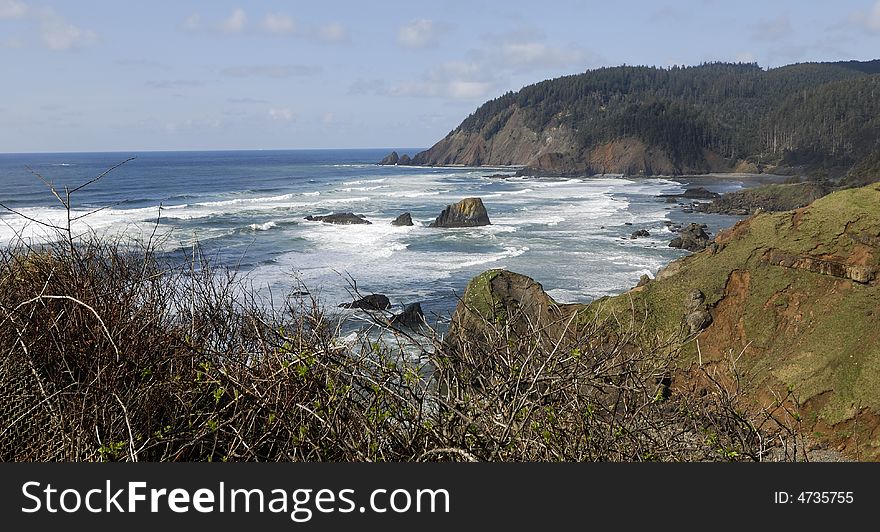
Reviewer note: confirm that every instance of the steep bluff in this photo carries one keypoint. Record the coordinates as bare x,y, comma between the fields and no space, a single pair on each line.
792,297
689,120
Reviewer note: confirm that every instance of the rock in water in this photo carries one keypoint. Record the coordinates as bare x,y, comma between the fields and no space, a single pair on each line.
639,233
370,302
412,316
340,218
699,193
404,160
390,159
468,212
403,219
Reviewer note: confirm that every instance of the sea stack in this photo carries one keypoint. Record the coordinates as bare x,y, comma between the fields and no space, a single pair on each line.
390,160
468,212
404,219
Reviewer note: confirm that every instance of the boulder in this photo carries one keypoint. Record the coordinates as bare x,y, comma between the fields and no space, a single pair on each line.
468,212
370,302
698,320
697,316
639,233
643,280
518,304
694,299
390,159
412,316
692,238
403,220
340,218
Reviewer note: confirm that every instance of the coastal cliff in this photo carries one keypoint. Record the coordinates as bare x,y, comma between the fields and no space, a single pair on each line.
682,120
790,297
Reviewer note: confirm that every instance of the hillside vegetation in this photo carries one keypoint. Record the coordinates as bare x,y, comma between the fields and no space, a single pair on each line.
824,117
789,298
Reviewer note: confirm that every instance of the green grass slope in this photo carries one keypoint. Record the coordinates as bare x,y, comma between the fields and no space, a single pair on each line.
796,294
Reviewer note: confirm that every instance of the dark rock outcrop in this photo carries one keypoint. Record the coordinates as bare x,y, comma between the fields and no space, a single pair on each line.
390,160
403,220
699,193
520,302
692,238
404,160
691,193
768,198
640,233
469,212
412,316
856,272
370,302
340,218
697,315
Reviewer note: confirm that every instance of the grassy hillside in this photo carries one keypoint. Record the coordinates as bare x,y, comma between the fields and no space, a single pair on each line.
789,298
796,293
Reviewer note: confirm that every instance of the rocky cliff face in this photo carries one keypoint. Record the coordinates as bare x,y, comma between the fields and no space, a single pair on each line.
792,296
555,150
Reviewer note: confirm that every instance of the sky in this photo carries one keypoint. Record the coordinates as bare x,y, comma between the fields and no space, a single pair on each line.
104,75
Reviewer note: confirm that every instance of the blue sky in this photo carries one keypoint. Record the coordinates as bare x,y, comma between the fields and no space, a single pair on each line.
101,75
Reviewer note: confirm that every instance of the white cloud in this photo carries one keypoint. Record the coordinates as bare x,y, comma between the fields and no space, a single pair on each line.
773,30
746,57
468,90
368,86
489,68
418,33
12,9
278,23
282,114
59,35
245,100
459,80
867,20
271,71
192,22
332,33
193,124
235,23
872,21
173,83
55,32
524,51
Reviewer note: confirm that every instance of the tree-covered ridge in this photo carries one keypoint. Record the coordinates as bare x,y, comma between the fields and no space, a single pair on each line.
819,114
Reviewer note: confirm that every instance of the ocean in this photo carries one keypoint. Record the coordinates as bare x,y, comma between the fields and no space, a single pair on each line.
246,209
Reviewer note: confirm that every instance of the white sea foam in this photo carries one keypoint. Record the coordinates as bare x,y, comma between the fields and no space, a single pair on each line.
414,194
364,181
562,295
263,227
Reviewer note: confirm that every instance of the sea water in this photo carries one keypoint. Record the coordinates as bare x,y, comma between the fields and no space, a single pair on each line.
247,209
